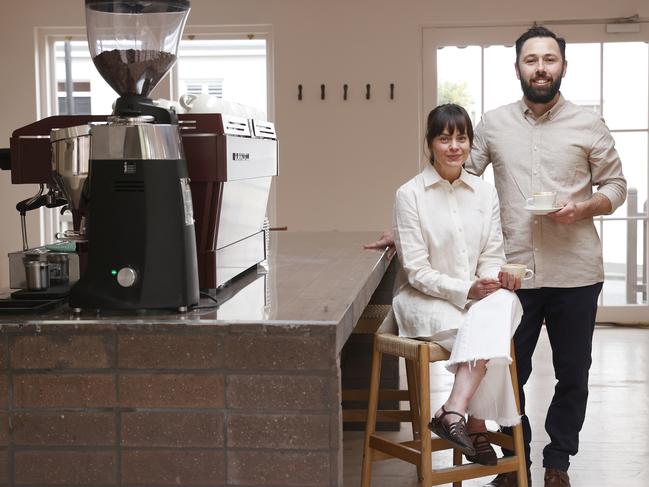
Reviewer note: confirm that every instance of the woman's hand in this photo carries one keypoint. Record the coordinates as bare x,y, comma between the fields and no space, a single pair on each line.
483,287
509,281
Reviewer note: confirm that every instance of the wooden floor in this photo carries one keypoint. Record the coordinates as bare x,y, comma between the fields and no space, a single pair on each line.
614,442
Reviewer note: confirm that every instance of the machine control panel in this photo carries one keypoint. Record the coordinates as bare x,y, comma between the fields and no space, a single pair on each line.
126,277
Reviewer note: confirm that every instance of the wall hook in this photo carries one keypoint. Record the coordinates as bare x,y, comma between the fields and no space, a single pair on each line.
391,91
299,92
345,88
367,91
322,92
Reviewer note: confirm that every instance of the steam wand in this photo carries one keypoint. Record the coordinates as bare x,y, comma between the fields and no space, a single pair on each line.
50,200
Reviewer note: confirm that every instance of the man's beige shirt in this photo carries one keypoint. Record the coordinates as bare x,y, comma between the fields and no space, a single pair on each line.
568,150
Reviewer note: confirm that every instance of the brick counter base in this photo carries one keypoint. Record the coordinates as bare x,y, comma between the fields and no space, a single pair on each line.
116,405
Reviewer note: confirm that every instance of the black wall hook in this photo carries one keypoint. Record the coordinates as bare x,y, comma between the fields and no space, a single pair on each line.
322,92
345,88
391,91
299,92
367,91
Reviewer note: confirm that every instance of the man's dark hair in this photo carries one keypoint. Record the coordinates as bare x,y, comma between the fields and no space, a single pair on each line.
539,31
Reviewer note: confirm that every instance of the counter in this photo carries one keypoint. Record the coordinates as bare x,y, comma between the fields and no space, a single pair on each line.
247,394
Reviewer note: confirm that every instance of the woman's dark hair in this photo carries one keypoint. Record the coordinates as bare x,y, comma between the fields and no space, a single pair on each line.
449,117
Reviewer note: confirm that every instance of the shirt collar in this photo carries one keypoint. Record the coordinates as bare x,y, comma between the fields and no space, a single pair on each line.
432,177
550,114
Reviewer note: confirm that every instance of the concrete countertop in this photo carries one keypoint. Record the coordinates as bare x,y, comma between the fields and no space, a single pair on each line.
314,279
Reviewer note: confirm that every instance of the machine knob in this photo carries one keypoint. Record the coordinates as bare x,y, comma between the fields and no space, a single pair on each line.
126,277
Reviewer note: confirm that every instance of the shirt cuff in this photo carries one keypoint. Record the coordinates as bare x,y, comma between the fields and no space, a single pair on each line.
457,291
613,196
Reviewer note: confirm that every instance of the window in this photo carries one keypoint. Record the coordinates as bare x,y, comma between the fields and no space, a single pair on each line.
210,87
232,69
80,100
234,63
90,93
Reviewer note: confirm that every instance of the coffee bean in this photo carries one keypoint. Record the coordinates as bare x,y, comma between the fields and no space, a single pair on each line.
133,71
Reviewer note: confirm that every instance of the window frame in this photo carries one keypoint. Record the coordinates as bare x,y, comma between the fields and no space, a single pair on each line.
46,85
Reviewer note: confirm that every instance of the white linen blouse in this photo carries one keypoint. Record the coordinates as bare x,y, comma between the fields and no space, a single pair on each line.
446,235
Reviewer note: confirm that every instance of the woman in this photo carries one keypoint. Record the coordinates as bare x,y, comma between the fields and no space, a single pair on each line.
449,241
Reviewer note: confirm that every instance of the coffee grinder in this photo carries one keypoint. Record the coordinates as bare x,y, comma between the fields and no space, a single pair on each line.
140,228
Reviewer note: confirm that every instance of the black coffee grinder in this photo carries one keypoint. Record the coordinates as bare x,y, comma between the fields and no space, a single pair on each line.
140,224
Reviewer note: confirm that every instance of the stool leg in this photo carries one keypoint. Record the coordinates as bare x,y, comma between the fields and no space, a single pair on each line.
370,426
519,448
457,460
423,376
411,377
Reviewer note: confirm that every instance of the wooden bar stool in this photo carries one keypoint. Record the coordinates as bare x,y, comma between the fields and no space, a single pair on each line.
356,365
418,355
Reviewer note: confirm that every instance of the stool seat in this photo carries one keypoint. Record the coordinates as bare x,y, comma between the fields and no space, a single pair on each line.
418,355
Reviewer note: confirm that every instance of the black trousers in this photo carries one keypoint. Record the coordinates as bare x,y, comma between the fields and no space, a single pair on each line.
569,315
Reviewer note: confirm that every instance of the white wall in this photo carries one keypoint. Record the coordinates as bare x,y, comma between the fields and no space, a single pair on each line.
340,162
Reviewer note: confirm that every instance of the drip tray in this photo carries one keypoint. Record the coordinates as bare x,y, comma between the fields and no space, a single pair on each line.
27,306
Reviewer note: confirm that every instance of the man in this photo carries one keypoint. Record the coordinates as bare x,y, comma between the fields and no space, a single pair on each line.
545,143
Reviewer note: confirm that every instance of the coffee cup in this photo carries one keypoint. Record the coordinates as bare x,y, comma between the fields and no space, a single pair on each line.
37,273
543,199
518,270
202,103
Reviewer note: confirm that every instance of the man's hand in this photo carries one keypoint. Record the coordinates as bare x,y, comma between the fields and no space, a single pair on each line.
483,287
598,204
509,281
385,240
568,214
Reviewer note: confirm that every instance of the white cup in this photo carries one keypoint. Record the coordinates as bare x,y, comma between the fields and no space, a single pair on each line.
543,199
202,103
518,270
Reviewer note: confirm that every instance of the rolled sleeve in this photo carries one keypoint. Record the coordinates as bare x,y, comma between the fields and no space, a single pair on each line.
479,158
413,255
606,167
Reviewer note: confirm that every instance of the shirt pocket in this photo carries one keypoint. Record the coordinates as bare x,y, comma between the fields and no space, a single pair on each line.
563,164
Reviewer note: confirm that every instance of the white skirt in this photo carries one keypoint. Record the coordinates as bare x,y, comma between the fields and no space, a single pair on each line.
485,334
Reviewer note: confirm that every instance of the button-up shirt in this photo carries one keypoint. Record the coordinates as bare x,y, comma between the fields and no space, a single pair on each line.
446,236
568,150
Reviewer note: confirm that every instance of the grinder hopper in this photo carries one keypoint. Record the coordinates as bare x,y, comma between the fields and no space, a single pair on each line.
134,43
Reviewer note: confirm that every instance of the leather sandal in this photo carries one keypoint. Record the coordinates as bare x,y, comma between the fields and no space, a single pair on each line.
484,452
454,433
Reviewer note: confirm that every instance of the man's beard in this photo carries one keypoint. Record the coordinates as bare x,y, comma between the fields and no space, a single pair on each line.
540,95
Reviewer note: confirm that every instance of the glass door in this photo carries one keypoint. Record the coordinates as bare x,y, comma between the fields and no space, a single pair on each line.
608,74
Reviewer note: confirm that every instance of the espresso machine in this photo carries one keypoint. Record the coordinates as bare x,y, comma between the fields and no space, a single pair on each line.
160,191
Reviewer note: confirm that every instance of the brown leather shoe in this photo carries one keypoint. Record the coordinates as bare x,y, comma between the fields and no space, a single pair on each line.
484,452
504,480
455,433
556,478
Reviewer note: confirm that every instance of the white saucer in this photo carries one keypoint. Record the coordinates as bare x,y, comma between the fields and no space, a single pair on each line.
542,211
